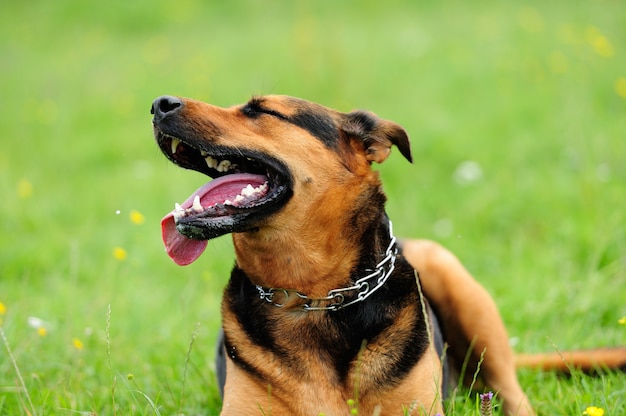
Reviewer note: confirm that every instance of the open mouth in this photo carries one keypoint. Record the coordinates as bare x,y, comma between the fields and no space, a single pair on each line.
247,186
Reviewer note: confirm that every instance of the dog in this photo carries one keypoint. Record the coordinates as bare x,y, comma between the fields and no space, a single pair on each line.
325,311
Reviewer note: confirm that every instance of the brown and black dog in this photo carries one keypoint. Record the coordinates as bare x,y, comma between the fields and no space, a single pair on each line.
324,311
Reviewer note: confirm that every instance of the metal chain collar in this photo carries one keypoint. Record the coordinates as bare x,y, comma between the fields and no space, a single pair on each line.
338,298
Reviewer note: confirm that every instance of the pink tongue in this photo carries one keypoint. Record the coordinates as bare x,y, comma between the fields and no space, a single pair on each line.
185,250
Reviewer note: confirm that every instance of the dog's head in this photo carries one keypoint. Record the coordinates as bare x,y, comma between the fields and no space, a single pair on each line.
277,162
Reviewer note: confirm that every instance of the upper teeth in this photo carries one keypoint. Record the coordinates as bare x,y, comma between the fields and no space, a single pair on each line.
174,144
211,162
221,166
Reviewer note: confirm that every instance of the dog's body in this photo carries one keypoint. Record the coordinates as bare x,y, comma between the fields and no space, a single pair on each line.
324,310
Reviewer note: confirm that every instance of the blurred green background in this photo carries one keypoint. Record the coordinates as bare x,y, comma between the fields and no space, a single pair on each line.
516,112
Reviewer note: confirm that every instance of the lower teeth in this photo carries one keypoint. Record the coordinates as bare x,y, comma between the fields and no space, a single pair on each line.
245,194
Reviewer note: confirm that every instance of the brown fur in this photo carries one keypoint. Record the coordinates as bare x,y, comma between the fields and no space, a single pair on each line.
316,242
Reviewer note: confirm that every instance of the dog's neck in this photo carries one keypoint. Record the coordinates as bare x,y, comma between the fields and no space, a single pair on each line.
360,289
321,264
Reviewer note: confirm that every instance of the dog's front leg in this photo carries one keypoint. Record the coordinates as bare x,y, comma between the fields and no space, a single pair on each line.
470,319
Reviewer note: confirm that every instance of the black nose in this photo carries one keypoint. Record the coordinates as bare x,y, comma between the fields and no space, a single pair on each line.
165,105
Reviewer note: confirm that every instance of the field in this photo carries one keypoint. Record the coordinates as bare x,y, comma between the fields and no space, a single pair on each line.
517,116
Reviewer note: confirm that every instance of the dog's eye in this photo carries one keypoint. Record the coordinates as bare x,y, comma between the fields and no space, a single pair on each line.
251,110
254,109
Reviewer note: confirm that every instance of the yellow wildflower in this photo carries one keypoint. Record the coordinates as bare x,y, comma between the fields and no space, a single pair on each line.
39,325
119,253
622,320
24,189
620,87
3,308
136,217
594,411
78,344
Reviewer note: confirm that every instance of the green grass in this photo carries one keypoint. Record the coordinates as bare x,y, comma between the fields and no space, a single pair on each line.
534,93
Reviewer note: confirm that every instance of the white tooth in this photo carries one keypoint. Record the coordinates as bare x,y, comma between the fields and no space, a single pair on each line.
197,206
247,191
228,202
174,144
211,162
203,153
179,212
239,198
223,166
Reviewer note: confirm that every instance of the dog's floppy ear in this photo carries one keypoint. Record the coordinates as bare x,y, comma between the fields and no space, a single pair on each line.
377,135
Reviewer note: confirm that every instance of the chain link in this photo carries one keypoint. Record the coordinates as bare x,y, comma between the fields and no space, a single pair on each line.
365,286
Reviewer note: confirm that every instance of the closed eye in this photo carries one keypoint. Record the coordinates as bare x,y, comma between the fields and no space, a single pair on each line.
254,108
